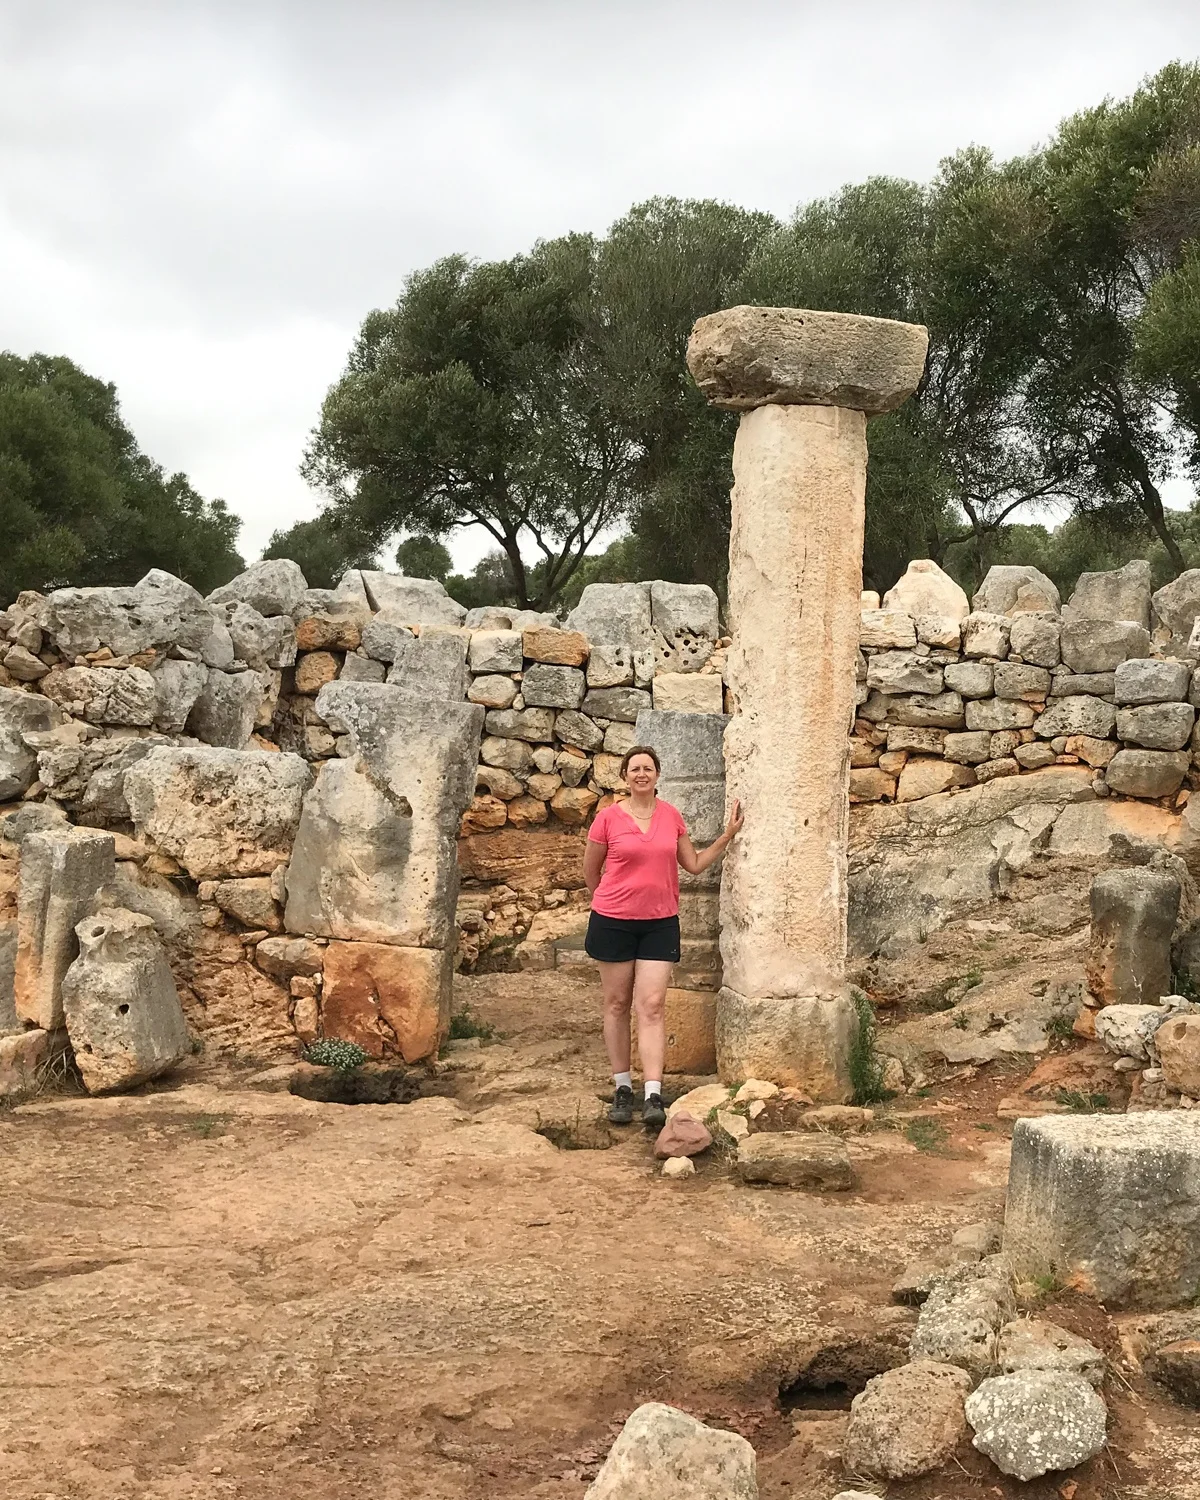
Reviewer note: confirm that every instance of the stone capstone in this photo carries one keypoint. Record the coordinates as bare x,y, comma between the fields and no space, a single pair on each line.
1035,1421
273,587
119,1001
62,870
1119,594
415,601
746,357
1001,588
1134,912
796,1159
907,1421
663,1454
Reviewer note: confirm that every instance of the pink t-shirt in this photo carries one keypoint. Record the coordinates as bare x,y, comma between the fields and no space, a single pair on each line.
641,871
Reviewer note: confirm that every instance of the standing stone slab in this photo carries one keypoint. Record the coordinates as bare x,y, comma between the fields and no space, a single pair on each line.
374,859
226,708
61,872
1001,590
1134,912
388,999
432,665
120,1004
1119,594
616,619
663,1454
1109,1203
415,601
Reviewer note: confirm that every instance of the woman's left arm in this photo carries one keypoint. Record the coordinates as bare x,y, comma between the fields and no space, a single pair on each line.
694,862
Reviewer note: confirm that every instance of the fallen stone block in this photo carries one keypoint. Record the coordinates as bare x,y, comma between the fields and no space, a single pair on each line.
1134,912
663,1454
390,1000
61,872
1032,1344
1131,1030
120,1004
796,1159
1036,1421
960,1319
1109,1204
1176,1365
907,1421
273,587
23,1055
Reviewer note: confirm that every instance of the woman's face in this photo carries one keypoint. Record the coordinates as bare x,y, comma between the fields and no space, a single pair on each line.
641,775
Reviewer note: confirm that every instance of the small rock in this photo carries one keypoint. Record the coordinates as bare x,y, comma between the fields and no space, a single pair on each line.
1031,1344
682,1136
960,1318
1033,1421
981,1239
842,1119
907,1421
699,1102
496,1418
737,1127
456,1411
755,1088
679,1166
663,1454
796,1159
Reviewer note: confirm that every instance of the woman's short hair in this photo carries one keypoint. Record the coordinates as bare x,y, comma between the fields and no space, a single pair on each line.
639,750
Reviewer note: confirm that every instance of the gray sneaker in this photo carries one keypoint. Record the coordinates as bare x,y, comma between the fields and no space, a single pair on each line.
621,1110
654,1116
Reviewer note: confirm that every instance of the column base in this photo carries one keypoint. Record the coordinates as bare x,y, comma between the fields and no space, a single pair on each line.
799,1042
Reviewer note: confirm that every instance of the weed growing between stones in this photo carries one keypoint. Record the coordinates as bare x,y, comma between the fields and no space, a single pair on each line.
206,1126
332,1052
577,1134
1060,1027
1078,1103
1183,984
465,1023
926,1135
866,1066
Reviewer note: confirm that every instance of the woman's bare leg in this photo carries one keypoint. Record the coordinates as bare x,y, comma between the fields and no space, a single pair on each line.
650,982
616,983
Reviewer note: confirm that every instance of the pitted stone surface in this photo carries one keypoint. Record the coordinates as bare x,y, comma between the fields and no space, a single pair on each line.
663,1454
1036,1421
907,1421
273,587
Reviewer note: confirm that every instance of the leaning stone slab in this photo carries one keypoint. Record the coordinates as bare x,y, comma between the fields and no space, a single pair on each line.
273,587
1118,594
61,872
797,1159
1176,605
375,854
1108,1203
907,1421
21,714
743,357
1134,912
415,601
218,812
1035,1421
663,1454
226,709
388,999
120,1004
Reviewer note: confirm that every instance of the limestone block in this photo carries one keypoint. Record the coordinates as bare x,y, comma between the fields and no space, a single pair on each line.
939,631
492,691
691,1021
104,695
960,1318
563,648
22,665
923,741
1109,1203
1016,680
1095,752
1036,1421
361,669
907,1421
414,601
577,729
160,610
120,1004
265,643
489,617
1033,1344
925,589
1004,765
249,902
998,713
1157,726
796,1158
1147,773
795,1041
970,679
688,692
1034,757
1177,1042
1077,715
573,805
374,856
319,632
985,634
616,703
1176,606
1134,912
273,587
23,1055
925,777
683,610
690,746
999,590
226,709
1068,684
177,685
1119,594
547,686
505,754
616,619
886,629
384,635
870,784
21,714
1101,645
528,812
663,1454
533,724
217,811
532,619
620,738
484,812
431,666
969,749
609,666
1136,682
389,999
62,869
1036,638
314,669
892,672
286,957
498,650
746,357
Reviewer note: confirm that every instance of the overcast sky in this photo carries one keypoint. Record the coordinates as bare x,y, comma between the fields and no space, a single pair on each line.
201,200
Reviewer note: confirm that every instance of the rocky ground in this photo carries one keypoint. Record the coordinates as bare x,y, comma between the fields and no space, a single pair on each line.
211,1290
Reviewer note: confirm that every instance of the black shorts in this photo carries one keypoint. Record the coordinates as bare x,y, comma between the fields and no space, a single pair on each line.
613,940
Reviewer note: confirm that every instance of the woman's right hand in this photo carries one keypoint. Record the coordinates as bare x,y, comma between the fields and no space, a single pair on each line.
736,819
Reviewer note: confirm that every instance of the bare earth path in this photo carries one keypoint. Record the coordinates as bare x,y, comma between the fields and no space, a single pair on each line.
210,1291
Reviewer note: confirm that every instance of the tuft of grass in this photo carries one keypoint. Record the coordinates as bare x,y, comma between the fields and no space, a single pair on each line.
1079,1103
577,1134
972,978
206,1126
866,1066
1183,984
926,1135
332,1052
465,1023
1060,1027
961,1020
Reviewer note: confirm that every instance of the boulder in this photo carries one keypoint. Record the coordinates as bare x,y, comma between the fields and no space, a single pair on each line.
219,812
682,1135
120,1004
497,650
1177,1042
415,601
89,778
1101,645
907,1421
547,686
62,870
689,692
1134,912
1157,726
273,587
886,629
1147,773
892,672
21,714
389,999
743,357
1108,1203
177,685
1032,1344
1150,681
104,695
985,634
970,679
1036,638
1119,594
1000,588
226,709
431,665
796,1159
925,589
663,1454
616,619
960,1319
1035,1421
1176,606
374,856
1076,715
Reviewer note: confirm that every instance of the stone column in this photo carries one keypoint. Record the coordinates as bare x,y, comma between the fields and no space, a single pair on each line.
806,383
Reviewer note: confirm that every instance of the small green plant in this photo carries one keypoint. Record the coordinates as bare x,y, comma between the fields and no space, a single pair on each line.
866,1066
961,1020
972,978
1183,984
1060,1027
936,998
332,1052
206,1126
926,1135
465,1023
983,1125
1078,1103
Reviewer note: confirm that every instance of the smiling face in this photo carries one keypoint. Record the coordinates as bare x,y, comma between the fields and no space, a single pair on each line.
641,775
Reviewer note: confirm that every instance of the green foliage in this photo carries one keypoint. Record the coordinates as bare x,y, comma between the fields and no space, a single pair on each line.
1060,1027
866,1066
465,1023
423,557
332,1052
926,1135
1183,984
81,504
1079,1103
324,547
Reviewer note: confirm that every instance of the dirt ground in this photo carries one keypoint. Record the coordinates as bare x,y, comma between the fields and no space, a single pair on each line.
208,1290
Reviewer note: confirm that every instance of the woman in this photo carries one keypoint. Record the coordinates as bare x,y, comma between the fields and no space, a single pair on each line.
634,850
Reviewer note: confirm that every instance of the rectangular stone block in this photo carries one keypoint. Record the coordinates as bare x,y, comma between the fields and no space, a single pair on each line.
691,1017
61,872
433,665
690,745
1108,1204
689,692
392,1001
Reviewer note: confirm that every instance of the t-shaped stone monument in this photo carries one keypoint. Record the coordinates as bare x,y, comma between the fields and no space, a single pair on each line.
805,382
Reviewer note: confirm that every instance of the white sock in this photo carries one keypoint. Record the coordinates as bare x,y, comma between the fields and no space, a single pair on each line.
653,1086
623,1080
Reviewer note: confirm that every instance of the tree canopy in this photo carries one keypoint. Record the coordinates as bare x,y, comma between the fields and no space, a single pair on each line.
81,504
